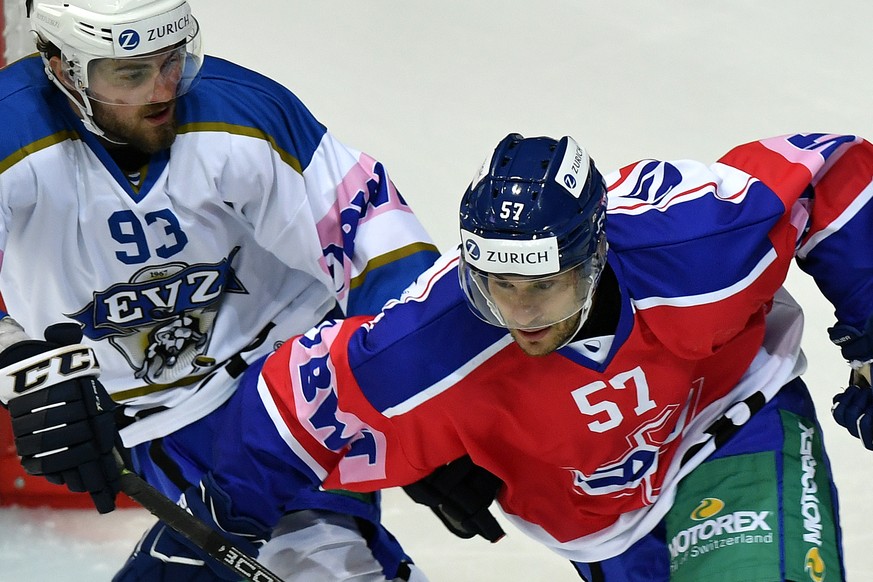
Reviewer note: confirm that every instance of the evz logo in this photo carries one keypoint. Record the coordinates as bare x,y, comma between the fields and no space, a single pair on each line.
161,320
128,39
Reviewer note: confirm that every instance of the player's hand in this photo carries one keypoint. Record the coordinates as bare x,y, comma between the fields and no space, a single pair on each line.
856,345
853,408
62,417
459,494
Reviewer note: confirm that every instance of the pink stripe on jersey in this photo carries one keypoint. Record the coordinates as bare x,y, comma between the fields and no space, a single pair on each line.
352,184
335,227
810,158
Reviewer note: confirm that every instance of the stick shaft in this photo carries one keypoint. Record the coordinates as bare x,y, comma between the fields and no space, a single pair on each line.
194,529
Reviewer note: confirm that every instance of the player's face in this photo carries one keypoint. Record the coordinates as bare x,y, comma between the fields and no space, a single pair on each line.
134,100
531,306
548,339
149,128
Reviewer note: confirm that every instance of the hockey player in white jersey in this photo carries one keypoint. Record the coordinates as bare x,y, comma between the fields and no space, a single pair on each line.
183,216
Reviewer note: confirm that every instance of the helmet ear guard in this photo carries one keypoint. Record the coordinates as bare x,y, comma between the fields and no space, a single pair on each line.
534,213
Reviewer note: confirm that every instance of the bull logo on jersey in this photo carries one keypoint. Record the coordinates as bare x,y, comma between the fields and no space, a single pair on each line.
161,320
169,342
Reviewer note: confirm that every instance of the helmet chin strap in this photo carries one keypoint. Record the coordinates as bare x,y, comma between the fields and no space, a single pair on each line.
585,312
86,113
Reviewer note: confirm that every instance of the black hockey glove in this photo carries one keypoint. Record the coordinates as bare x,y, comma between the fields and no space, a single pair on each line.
459,494
62,418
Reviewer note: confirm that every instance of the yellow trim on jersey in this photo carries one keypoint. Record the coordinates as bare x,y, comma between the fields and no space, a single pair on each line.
394,255
246,131
152,388
36,146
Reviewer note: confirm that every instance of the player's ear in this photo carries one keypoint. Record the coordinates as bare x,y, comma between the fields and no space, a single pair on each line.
59,71
55,66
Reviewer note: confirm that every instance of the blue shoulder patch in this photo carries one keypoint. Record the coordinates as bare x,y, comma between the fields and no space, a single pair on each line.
29,106
230,95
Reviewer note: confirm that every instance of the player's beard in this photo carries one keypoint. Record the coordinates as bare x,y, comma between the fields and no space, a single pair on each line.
558,335
128,125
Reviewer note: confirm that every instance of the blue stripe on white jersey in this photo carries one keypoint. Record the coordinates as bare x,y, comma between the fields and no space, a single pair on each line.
229,95
26,95
381,282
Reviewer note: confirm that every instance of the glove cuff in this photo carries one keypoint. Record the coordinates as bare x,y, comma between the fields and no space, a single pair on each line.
855,345
11,332
43,369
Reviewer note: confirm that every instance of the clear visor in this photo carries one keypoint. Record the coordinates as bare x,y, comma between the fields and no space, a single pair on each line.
153,78
531,303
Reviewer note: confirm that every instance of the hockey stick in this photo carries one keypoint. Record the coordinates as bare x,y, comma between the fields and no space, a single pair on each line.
206,538
861,376
72,360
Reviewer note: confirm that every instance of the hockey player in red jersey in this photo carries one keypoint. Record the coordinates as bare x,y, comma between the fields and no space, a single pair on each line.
661,431
615,361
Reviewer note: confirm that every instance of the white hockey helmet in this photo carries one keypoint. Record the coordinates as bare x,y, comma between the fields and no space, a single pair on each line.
155,39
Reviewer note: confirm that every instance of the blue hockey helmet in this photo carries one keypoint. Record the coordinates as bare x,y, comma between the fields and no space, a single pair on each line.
534,212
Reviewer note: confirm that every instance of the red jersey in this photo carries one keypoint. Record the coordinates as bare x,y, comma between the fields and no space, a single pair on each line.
590,441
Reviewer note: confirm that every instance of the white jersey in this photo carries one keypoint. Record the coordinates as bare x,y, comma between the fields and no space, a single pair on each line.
250,229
